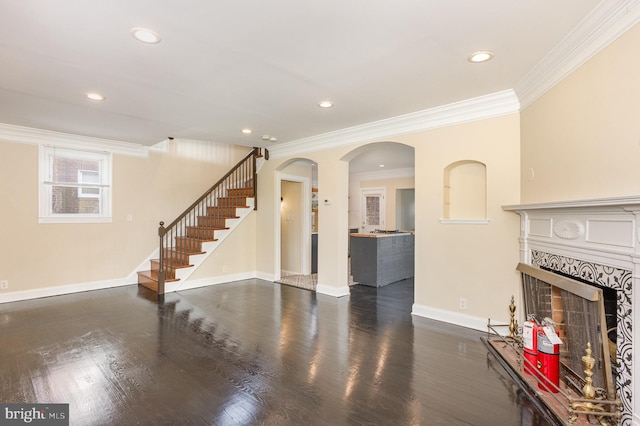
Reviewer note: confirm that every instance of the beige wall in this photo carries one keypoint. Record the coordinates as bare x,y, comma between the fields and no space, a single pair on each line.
579,140
582,138
476,262
38,256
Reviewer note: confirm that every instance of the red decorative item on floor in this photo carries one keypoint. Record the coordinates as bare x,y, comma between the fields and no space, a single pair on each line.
530,343
548,361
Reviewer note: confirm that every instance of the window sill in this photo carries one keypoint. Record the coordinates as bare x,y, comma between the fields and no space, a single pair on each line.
75,219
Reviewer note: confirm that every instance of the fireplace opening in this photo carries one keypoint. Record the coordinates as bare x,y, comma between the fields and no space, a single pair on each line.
610,309
577,309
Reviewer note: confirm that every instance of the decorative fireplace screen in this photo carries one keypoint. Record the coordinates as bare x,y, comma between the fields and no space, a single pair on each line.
577,310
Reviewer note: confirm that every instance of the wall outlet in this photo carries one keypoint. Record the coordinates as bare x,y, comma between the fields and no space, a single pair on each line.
4,284
463,303
225,268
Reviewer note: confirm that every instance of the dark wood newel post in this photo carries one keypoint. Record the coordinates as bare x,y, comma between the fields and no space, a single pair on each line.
256,152
161,233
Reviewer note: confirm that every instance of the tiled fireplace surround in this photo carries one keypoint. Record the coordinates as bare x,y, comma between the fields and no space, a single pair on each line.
596,241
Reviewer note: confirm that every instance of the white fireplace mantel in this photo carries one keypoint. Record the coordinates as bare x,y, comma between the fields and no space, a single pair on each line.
599,236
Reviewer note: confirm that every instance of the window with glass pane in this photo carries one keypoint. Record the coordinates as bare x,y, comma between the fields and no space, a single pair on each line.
373,210
74,186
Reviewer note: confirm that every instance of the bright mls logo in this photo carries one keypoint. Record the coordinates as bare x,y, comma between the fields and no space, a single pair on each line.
34,414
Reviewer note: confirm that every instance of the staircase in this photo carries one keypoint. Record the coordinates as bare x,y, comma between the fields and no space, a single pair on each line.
196,233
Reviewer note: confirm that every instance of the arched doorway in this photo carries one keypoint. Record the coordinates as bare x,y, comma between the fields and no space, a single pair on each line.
382,202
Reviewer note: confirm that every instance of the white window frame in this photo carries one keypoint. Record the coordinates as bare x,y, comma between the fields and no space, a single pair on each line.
46,184
81,192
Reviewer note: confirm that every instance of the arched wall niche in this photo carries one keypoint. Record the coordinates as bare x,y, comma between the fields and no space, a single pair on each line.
465,190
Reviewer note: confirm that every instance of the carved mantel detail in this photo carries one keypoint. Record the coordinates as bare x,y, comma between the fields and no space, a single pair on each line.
568,229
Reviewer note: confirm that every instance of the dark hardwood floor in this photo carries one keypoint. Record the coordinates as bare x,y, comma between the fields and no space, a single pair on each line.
251,353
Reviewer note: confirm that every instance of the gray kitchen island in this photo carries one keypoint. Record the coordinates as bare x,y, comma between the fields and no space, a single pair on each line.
378,259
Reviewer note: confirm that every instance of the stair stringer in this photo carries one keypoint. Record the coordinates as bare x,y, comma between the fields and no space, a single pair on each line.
209,247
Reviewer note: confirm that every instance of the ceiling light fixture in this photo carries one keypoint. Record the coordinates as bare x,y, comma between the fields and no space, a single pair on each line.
246,131
94,96
480,56
325,104
381,165
145,35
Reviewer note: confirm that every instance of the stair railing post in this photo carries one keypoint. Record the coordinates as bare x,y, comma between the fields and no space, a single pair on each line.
255,179
161,233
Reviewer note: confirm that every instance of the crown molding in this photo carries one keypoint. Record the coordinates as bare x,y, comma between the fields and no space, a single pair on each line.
608,21
627,203
483,107
29,135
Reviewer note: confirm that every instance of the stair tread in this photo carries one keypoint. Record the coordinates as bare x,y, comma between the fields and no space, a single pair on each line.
184,251
203,240
153,276
214,228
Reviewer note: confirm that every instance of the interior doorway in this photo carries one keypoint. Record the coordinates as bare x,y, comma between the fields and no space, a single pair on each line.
293,225
291,239
373,209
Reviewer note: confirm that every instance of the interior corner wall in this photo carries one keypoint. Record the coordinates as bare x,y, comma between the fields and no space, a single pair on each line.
37,256
581,139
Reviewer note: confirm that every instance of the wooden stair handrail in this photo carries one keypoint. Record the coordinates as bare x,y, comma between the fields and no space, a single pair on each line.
163,231
253,153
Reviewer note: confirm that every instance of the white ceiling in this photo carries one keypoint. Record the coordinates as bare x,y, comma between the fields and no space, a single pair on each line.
224,66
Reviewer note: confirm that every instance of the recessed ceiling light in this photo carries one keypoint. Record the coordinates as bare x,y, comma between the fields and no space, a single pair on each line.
325,104
380,165
94,96
480,56
246,131
145,35
269,138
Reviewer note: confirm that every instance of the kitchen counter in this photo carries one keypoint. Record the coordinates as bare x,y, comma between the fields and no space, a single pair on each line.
379,235
379,259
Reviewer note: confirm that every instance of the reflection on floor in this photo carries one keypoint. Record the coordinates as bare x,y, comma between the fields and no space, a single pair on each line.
252,353
308,282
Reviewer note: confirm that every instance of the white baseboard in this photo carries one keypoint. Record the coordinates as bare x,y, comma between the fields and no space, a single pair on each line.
63,289
456,318
265,276
333,291
204,282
